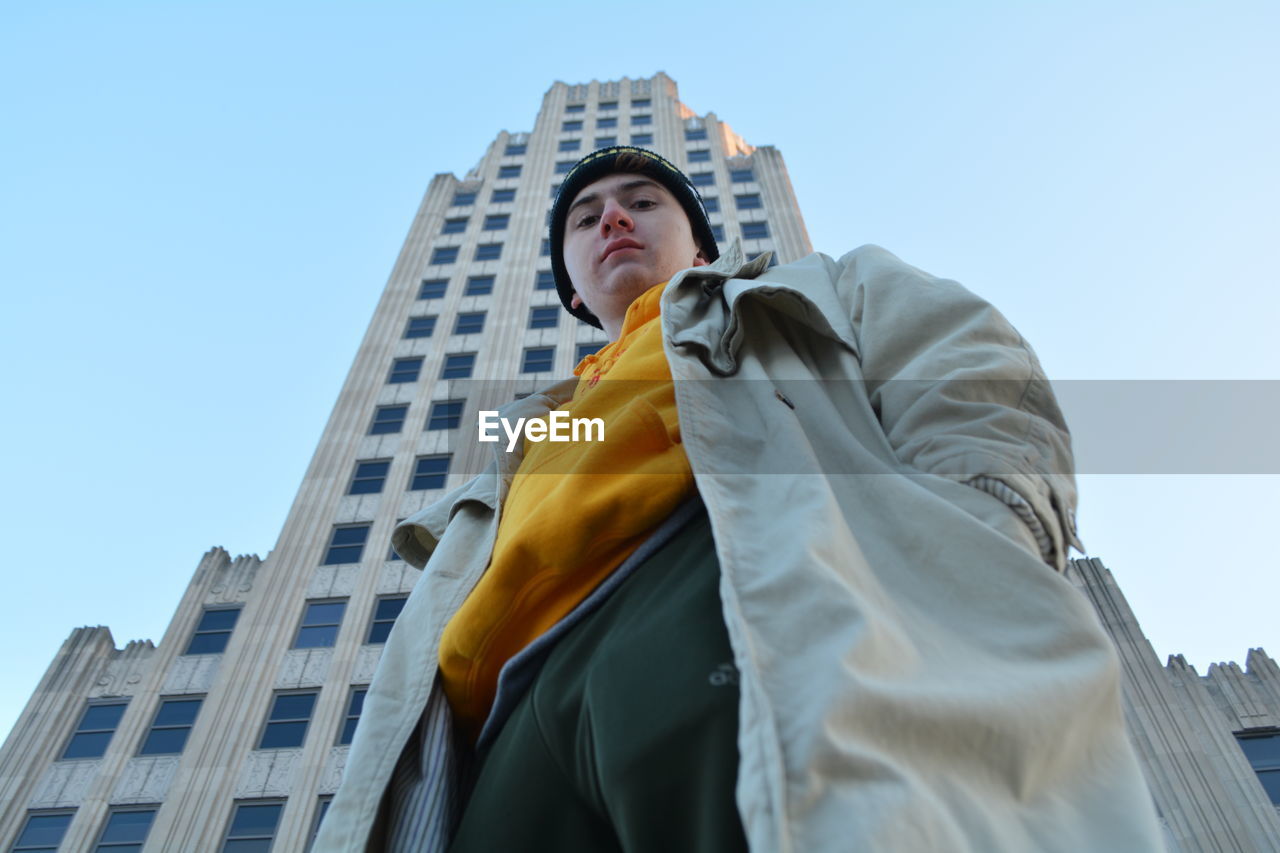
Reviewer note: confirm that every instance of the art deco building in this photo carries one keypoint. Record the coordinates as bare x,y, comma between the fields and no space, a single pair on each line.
231,733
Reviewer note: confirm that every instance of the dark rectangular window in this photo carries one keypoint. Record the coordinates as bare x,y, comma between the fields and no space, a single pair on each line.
488,251
570,144
585,350
717,231
321,810
712,204
173,721
699,156
445,414
405,370
640,103
544,250
606,141
563,166
496,222
479,285
544,280
755,230
444,255
538,359
469,324
606,123
546,317
253,827
748,201
693,134
388,419
126,830
703,179
288,720
385,612
555,190
1263,752
458,365
430,473
501,196
463,199
639,120
454,226
213,631
514,149
320,623
432,288
642,139
741,176
608,105
369,477
773,258
42,832
354,706
420,327
346,544
508,172
575,108
572,124
93,732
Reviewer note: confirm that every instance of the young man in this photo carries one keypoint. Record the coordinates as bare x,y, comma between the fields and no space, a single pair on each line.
808,601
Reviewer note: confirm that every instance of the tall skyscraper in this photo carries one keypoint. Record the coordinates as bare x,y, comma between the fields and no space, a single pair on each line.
235,727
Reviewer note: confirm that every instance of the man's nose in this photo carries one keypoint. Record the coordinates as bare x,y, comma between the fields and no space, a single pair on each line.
615,217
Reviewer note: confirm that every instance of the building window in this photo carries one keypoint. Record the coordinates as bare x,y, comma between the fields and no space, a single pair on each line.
488,251
405,370
712,204
546,317
572,124
639,120
321,810
479,285
42,832
700,156
458,365
606,141
514,149
703,179
320,623
445,414
463,199
125,831
502,196
213,632
508,172
496,222
1263,752
545,280
570,144
575,108
563,167
385,612
287,723
642,139
693,134
420,327
640,103
608,105
755,230
544,251
388,419
555,190
93,732
430,473
717,231
748,201
169,729
253,827
346,544
454,226
354,705
741,176
444,255
469,324
432,288
369,477
538,359
606,123
773,258
587,349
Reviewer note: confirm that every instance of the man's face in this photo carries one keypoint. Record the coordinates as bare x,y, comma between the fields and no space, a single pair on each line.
624,234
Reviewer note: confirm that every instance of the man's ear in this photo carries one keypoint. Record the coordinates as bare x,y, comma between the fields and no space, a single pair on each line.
575,302
700,260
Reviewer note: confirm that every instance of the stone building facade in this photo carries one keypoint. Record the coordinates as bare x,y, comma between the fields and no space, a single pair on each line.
234,727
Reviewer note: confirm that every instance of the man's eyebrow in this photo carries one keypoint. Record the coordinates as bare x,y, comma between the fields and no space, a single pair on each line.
629,185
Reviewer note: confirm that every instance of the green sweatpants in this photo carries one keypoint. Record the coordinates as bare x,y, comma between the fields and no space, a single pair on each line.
627,738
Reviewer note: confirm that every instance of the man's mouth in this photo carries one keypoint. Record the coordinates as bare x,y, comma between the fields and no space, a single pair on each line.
623,243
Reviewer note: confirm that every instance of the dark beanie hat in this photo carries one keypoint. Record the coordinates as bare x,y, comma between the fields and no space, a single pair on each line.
597,165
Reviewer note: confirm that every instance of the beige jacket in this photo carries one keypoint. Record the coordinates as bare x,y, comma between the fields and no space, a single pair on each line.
915,675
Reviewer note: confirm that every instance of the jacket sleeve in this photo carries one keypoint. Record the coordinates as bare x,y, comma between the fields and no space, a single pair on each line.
960,394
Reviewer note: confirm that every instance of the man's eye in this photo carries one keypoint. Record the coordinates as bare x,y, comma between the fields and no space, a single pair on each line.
586,221
643,203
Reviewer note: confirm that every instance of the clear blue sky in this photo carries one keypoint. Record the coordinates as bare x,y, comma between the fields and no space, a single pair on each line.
200,204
